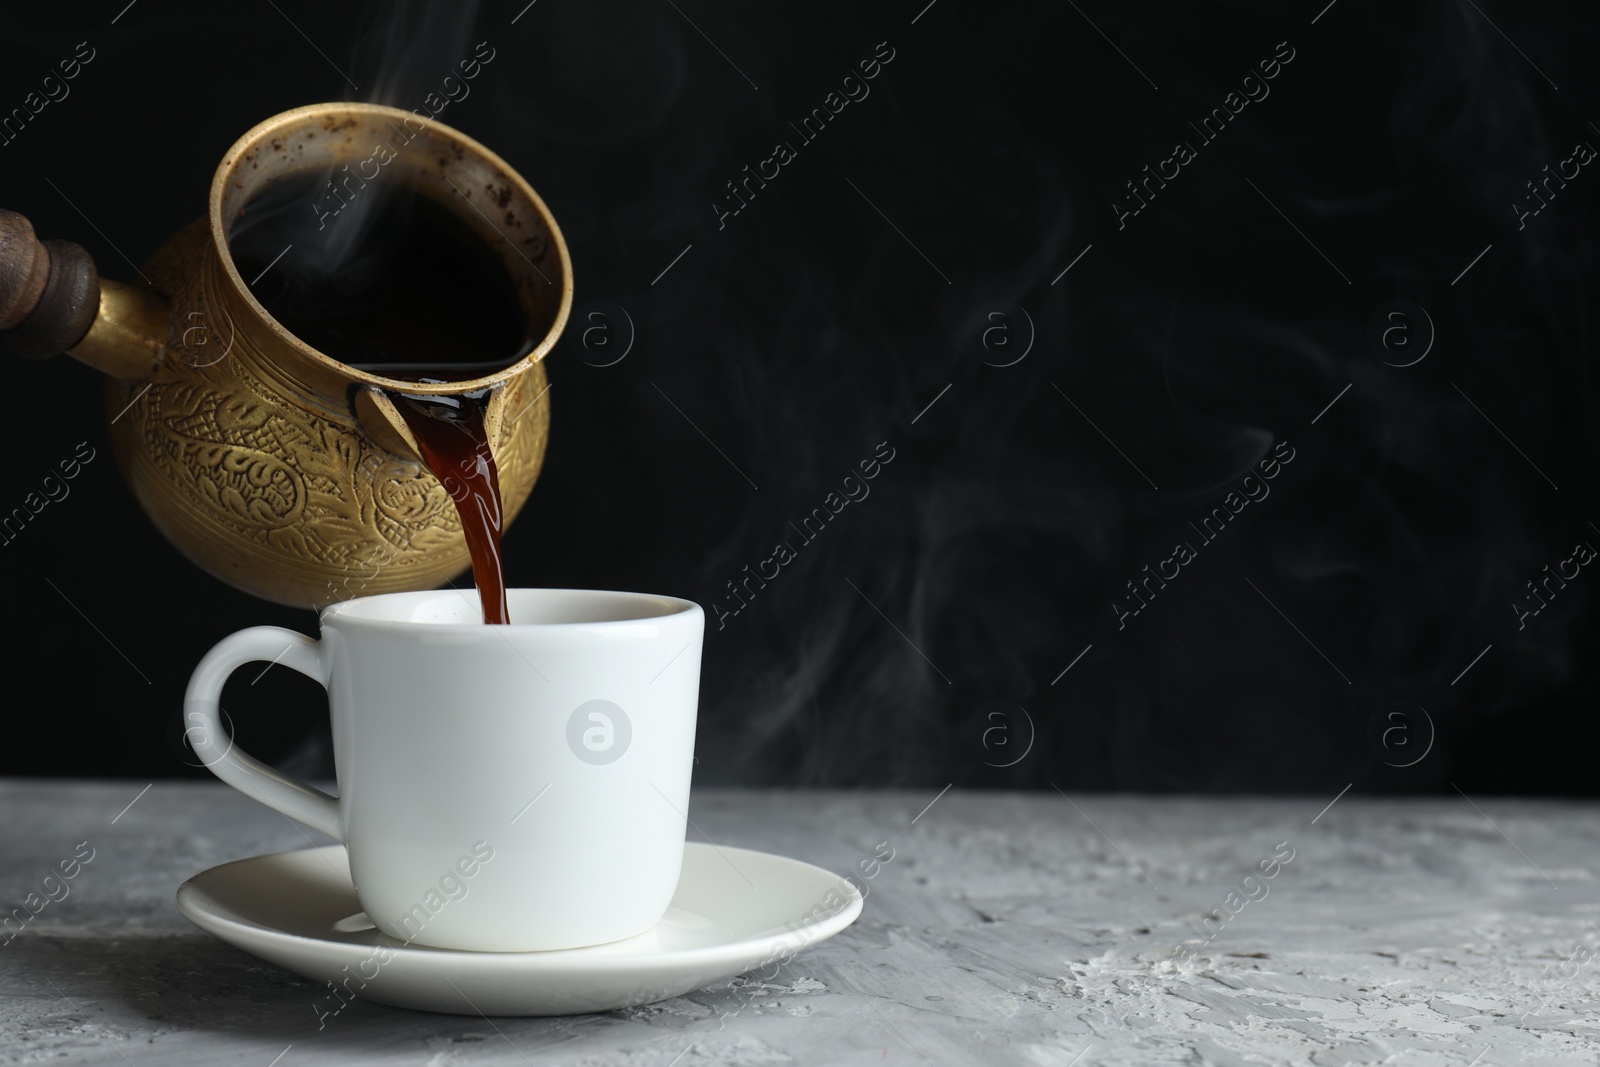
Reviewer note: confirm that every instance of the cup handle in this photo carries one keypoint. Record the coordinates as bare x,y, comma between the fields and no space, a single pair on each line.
204,731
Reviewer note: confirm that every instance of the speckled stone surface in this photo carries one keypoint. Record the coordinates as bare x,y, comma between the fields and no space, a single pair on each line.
1006,929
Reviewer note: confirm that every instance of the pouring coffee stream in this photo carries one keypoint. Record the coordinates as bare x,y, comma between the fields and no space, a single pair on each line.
452,440
279,453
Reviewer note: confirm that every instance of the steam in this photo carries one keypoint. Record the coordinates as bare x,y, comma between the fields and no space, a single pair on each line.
989,553
410,47
413,54
995,547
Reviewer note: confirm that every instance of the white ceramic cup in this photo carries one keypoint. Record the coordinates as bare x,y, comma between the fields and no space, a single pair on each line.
501,788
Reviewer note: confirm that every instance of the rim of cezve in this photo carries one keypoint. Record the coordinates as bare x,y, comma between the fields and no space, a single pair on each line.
262,131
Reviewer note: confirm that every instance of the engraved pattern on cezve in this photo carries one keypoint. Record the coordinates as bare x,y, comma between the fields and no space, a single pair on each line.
277,473
271,469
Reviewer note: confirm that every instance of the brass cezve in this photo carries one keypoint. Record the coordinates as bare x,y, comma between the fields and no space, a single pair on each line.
271,465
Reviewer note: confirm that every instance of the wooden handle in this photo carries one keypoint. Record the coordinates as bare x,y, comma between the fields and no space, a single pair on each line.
49,291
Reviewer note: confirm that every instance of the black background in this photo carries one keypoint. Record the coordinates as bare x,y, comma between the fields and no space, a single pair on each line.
1220,320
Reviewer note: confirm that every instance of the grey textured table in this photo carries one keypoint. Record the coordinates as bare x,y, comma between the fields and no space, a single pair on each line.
1007,929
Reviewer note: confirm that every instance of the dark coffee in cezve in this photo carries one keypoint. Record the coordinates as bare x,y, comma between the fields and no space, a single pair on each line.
397,285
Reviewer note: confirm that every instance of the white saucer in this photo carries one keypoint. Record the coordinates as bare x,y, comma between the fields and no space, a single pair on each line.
734,910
